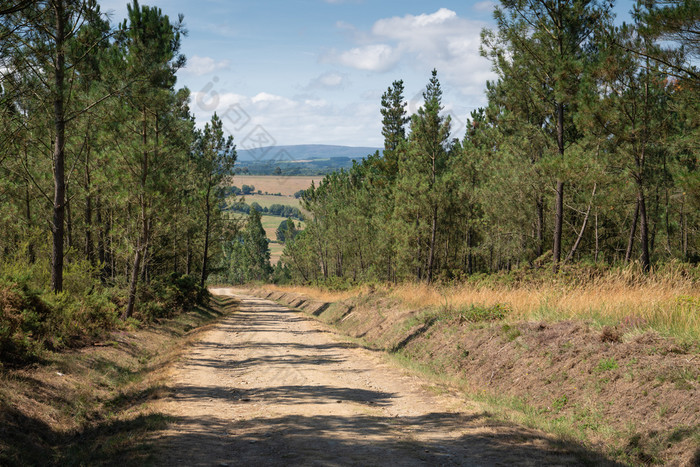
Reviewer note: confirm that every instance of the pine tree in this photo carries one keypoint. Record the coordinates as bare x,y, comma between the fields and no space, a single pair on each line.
256,248
394,122
551,35
286,231
38,38
150,45
421,185
215,156
676,23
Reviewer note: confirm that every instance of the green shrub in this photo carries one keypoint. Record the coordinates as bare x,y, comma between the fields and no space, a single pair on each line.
606,364
32,319
476,313
170,295
22,314
334,283
75,318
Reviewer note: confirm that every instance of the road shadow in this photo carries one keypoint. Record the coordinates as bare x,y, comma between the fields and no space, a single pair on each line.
288,394
364,440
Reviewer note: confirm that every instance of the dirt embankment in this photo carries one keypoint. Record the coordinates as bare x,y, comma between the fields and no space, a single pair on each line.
633,395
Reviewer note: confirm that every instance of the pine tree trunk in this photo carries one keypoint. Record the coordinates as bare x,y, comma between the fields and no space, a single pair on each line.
654,225
142,238
431,253
583,227
633,232
133,283
559,202
644,228
144,257
28,212
207,221
101,237
58,226
89,248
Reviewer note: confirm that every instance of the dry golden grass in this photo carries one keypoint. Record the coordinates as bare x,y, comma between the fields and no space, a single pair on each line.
319,294
287,185
668,301
669,305
276,250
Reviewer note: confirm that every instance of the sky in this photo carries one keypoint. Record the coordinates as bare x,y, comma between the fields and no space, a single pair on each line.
284,72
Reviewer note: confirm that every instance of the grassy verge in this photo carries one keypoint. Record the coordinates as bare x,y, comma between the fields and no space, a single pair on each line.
666,301
90,406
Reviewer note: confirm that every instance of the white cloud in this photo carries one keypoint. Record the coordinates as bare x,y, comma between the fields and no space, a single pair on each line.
400,26
331,79
265,98
441,40
487,5
199,66
375,57
327,81
281,120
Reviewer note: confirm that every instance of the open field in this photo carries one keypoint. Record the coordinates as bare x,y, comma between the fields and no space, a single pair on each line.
270,224
268,200
286,185
276,250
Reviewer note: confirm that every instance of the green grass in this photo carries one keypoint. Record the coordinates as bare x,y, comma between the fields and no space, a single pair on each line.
268,200
606,364
272,222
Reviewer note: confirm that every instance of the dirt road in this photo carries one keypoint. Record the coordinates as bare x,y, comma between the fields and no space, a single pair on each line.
269,386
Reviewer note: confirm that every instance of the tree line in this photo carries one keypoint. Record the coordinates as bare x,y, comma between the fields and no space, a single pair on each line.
281,210
587,152
103,174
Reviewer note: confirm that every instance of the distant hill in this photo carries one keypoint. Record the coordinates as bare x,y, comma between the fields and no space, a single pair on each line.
302,152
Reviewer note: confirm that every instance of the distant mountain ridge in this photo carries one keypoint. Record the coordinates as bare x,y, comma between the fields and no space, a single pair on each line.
303,152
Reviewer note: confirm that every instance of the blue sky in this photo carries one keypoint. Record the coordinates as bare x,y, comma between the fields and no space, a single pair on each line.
313,71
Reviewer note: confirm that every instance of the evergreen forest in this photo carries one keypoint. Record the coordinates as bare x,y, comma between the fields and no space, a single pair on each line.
110,197
586,155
